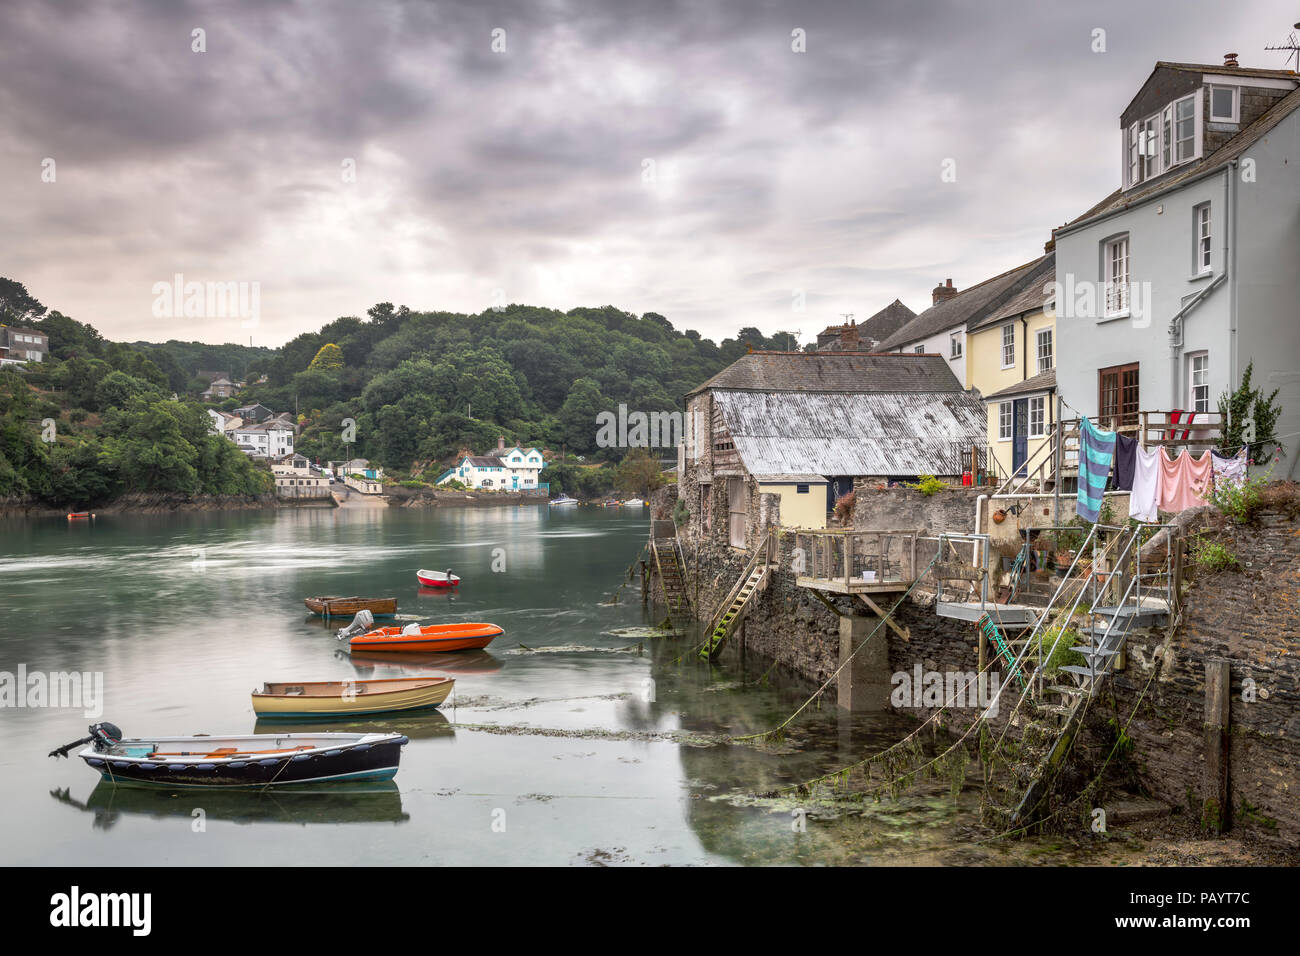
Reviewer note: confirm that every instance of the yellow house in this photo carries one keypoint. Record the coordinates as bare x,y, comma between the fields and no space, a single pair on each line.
1011,362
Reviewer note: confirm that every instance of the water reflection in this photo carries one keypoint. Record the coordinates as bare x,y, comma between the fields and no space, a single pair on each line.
418,725
377,802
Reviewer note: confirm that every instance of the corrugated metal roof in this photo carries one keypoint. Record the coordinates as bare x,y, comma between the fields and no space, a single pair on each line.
801,433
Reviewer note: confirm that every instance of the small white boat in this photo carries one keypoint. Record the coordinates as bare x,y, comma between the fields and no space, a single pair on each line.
563,500
633,503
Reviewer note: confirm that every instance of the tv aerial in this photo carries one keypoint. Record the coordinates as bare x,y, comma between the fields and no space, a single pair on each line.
1292,46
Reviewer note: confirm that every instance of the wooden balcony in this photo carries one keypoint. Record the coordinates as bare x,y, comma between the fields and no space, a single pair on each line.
855,562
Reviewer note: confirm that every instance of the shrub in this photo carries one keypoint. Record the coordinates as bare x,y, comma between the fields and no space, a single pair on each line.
1241,502
927,486
1214,556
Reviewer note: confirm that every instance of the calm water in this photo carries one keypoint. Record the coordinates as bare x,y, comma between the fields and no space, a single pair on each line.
588,748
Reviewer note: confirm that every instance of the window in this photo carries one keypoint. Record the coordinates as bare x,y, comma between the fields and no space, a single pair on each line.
1132,152
1150,148
954,345
1166,136
1223,104
1198,379
1004,421
1184,129
1115,264
801,489
1038,416
1044,342
1156,143
1118,398
1202,261
1008,345
919,350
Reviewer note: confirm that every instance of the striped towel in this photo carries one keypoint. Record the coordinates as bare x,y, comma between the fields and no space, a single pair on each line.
1096,451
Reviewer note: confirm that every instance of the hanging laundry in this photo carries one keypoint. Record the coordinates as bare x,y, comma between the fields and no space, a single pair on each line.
1144,499
1096,451
1229,471
1175,417
1184,481
1125,461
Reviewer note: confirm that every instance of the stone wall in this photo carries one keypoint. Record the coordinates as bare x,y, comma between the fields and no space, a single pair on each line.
1250,618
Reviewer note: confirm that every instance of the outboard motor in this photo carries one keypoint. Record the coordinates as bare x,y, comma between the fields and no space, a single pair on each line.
103,735
363,622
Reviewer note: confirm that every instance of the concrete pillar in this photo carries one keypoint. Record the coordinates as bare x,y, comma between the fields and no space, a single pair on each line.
864,684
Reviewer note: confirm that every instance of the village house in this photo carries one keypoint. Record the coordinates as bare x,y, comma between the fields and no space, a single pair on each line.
1174,283
803,426
219,388
941,329
19,345
224,423
865,336
268,439
1011,364
296,477
254,413
508,469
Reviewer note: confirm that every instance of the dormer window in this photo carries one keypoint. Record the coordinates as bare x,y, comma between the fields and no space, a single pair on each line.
1223,104
1163,140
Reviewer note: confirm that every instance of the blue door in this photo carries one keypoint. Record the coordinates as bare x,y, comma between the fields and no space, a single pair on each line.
1019,436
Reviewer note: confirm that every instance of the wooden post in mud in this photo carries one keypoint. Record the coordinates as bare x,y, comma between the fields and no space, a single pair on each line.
1216,814
645,584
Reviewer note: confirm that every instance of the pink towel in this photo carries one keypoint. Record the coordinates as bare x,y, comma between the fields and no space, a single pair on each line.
1185,481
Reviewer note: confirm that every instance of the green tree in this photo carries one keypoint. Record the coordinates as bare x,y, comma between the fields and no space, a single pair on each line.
329,357
1248,408
578,415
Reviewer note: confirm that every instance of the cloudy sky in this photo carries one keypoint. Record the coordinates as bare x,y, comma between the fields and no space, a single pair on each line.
681,158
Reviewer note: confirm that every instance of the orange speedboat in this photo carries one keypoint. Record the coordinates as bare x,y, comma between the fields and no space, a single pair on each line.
430,637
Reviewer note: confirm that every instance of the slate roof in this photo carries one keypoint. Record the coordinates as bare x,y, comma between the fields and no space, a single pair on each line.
1033,297
1042,382
796,435
863,372
879,326
1232,149
970,303
485,461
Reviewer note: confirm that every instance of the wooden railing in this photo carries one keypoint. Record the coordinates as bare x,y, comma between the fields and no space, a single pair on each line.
848,561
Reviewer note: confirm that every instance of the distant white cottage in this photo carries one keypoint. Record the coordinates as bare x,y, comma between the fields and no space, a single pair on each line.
270,439
509,469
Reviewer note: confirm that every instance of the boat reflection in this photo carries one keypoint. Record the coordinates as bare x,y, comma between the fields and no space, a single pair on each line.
463,662
377,802
418,725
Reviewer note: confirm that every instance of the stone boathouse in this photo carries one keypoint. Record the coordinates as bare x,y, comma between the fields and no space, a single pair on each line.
804,427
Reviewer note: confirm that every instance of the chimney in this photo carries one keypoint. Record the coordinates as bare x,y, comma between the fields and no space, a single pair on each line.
501,443
1230,60
1049,245
942,292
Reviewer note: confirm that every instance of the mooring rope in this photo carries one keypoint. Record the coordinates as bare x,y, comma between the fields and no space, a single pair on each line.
981,718
835,673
